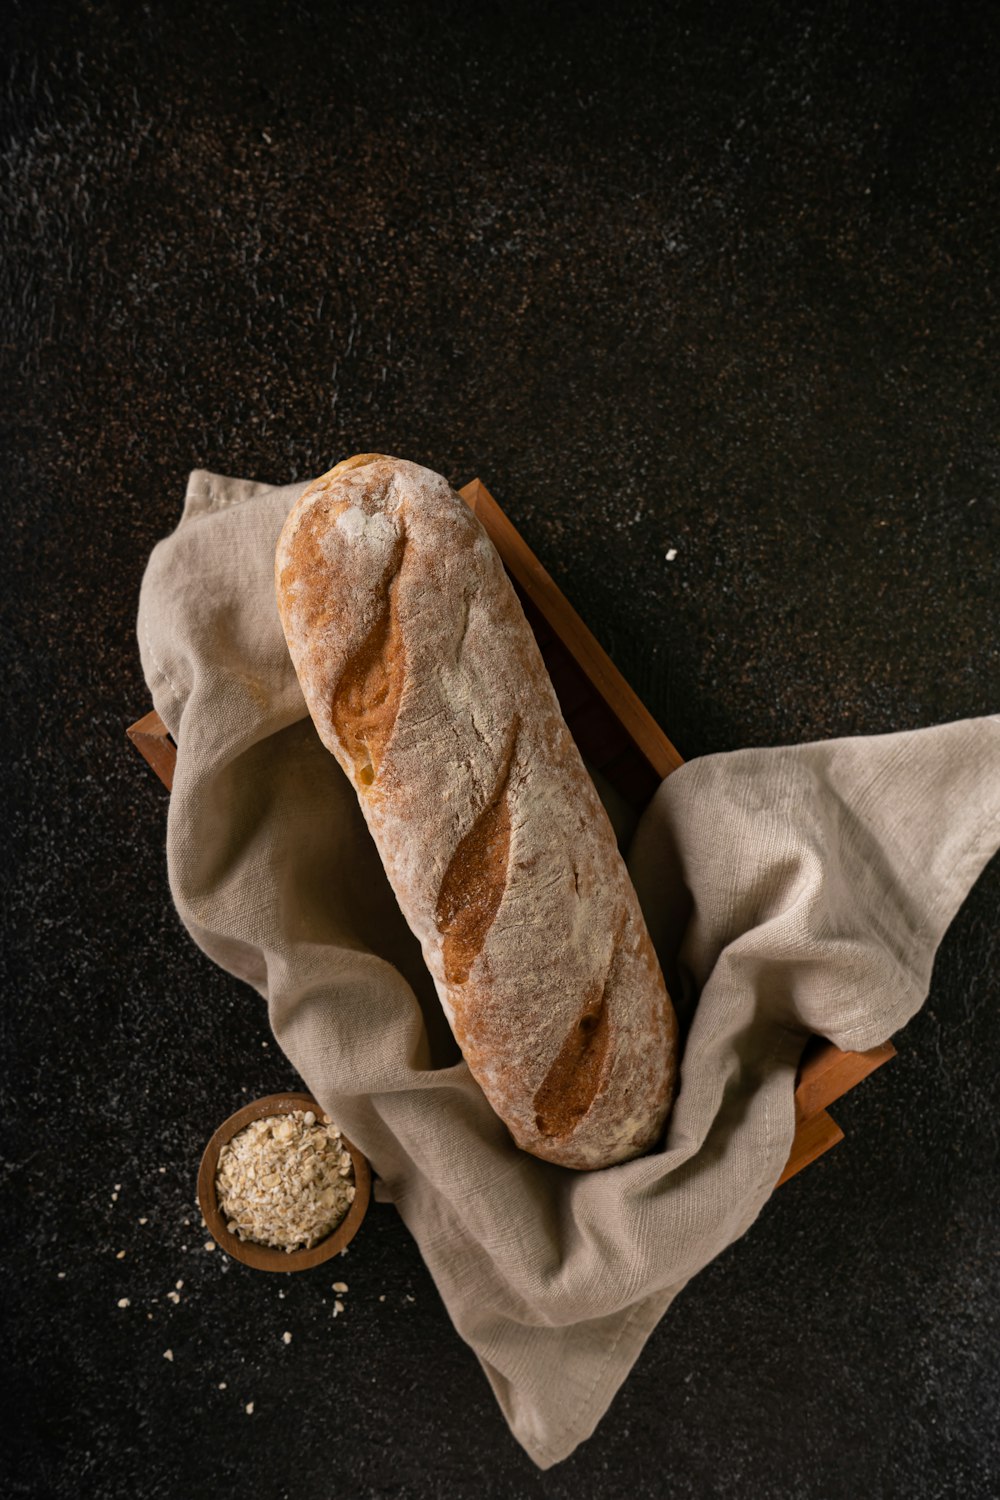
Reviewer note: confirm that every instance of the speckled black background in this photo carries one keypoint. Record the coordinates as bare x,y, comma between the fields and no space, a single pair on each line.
714,279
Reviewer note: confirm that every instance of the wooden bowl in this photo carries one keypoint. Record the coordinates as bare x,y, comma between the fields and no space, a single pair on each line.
264,1257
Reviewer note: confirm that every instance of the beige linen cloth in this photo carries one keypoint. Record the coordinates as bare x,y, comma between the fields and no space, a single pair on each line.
788,891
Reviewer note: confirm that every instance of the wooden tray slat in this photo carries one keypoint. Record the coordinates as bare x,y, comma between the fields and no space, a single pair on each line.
151,738
812,1138
524,566
827,1073
617,734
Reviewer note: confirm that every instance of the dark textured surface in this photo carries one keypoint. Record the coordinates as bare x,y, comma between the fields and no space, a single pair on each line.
681,277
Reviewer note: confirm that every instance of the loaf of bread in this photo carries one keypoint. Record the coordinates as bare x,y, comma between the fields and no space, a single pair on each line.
425,681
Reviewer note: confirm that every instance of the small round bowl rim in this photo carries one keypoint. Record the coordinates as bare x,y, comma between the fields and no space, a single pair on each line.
265,1257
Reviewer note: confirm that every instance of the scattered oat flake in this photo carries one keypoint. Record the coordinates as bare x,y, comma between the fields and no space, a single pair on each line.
178,1284
120,1255
222,1385
114,1197
671,554
286,1338
123,1302
62,1275
118,1187
143,1221
168,1354
338,1307
209,1244
382,1298
340,1286
161,1169
174,1297
249,1408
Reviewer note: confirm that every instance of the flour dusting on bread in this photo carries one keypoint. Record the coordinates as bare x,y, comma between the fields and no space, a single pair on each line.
425,681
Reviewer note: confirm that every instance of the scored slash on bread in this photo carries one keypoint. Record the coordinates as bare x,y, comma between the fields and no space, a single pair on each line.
425,682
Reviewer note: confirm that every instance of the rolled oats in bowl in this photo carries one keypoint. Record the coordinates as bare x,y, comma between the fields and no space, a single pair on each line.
285,1181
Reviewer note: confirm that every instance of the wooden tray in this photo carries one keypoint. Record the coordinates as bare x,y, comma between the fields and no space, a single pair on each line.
617,735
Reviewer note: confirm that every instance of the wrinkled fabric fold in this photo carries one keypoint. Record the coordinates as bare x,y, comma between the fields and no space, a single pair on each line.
788,891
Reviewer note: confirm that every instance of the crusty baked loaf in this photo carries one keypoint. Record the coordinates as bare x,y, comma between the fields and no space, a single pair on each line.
424,680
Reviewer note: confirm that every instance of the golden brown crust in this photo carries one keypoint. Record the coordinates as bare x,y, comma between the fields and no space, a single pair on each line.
425,681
